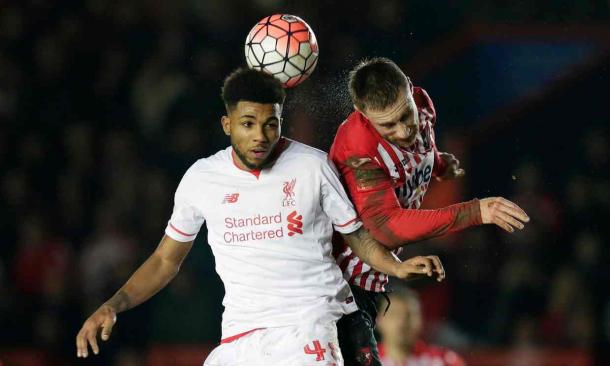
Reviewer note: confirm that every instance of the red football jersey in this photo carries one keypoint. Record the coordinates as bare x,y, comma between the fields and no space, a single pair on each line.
387,185
424,354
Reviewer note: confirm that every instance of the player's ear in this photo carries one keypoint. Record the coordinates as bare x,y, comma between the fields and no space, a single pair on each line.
225,121
409,84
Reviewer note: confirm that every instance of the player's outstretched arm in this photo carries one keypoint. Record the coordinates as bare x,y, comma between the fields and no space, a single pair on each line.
381,259
373,194
154,274
375,199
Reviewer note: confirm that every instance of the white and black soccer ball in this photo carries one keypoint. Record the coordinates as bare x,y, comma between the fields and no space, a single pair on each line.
284,46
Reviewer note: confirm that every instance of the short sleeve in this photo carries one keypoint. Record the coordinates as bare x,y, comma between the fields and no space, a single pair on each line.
186,219
335,201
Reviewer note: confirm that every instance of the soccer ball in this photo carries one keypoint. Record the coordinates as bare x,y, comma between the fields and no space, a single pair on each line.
284,46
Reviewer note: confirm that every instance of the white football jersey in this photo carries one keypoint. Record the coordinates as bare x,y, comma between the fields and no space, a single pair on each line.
270,232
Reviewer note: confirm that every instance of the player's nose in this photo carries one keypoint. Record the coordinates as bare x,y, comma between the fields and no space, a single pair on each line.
259,134
401,131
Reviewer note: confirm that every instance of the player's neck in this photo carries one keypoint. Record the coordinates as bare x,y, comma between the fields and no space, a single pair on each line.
240,164
277,150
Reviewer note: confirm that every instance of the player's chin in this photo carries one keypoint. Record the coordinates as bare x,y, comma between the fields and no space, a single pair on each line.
411,139
257,160
406,143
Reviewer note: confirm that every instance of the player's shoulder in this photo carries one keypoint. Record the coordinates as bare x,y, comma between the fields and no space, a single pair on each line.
355,135
296,150
209,165
421,97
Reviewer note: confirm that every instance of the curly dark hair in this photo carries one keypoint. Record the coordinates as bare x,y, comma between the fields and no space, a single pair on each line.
251,85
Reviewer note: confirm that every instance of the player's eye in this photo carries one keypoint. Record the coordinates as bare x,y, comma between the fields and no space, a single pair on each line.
247,124
271,126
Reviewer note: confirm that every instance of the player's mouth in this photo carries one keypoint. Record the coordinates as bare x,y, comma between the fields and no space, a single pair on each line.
260,152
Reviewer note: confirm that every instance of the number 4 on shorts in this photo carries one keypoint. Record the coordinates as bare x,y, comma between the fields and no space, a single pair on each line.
317,350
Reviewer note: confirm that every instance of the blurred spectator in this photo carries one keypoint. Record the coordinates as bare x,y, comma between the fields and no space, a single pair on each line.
400,330
41,269
40,260
569,318
129,357
107,259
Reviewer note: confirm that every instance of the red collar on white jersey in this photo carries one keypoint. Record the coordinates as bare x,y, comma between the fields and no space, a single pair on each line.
279,147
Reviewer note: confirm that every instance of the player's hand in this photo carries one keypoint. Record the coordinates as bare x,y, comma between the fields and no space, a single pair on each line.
421,265
103,318
453,167
504,213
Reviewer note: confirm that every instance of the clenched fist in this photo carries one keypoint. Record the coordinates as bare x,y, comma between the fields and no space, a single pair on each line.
453,170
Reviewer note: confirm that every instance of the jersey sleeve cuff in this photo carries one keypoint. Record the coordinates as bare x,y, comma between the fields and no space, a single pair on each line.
179,235
349,226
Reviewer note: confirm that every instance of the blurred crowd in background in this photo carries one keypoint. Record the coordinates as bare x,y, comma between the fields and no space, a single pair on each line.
105,104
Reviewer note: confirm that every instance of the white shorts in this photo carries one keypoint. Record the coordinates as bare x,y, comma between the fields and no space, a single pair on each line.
302,345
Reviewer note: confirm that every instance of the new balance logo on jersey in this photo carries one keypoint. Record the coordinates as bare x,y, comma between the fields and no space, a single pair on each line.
230,198
317,350
288,190
295,223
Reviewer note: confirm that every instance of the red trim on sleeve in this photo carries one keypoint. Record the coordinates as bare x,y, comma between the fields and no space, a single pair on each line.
180,232
237,336
347,223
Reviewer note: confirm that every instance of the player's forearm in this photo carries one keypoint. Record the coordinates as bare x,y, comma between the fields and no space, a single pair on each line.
395,227
372,252
153,275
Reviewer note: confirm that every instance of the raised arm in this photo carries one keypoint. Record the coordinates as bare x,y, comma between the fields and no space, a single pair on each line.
372,192
153,275
373,195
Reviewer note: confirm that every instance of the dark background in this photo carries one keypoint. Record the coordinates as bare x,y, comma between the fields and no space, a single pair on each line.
105,104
